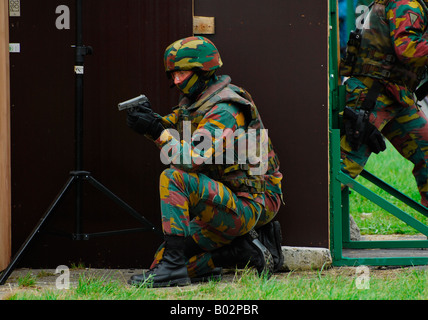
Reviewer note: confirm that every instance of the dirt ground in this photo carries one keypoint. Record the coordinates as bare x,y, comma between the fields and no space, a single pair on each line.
47,278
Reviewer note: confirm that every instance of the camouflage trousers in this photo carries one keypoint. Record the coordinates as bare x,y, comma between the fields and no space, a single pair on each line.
193,204
401,122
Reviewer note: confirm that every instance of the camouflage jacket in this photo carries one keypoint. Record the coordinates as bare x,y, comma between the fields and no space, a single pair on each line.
221,118
394,44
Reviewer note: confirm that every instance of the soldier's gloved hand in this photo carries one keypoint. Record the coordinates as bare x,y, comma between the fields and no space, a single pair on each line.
145,123
145,107
375,140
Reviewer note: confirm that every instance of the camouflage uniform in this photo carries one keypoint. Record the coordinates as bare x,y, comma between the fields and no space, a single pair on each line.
215,203
209,195
393,51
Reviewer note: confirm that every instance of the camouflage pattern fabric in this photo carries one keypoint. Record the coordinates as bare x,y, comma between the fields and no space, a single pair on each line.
192,53
394,50
405,126
220,108
393,43
214,203
195,205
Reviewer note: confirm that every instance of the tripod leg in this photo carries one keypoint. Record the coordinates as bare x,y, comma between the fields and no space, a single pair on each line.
6,273
124,205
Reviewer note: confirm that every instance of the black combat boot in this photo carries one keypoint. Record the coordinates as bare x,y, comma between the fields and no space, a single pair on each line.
170,271
271,237
191,248
215,274
245,251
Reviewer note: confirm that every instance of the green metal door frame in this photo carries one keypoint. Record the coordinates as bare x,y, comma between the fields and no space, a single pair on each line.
339,196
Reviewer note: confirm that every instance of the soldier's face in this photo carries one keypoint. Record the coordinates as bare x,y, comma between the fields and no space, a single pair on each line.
180,77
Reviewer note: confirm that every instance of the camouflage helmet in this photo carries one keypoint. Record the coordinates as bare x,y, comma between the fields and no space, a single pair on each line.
192,53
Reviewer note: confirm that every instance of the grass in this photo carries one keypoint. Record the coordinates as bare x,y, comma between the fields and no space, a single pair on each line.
339,284
27,281
392,168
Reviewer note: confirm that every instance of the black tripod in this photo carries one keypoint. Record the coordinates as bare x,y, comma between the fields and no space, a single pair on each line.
78,176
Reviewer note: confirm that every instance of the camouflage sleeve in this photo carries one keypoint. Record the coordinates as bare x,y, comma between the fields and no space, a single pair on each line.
408,26
206,143
170,120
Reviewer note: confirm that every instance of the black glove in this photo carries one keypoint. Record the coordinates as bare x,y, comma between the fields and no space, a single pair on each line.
375,140
144,107
358,131
145,123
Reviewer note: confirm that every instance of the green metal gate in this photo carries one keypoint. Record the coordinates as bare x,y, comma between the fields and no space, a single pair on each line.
341,184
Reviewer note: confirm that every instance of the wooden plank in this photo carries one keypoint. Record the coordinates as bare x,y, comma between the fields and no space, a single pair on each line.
203,25
5,172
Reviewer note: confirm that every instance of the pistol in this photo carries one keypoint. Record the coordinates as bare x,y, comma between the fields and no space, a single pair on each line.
133,103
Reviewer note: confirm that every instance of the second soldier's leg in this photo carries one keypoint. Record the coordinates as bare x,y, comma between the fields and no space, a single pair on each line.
408,133
353,161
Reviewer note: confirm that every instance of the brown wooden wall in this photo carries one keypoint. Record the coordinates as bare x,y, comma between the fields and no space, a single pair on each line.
276,49
5,179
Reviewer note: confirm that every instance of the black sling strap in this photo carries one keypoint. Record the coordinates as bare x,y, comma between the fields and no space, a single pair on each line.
366,108
372,95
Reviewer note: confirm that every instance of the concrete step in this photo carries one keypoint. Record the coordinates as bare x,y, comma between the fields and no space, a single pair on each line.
305,258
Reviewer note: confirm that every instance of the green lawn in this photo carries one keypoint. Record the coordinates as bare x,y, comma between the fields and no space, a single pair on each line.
392,168
332,284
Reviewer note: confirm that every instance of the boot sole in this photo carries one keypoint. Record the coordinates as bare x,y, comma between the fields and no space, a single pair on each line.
173,283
